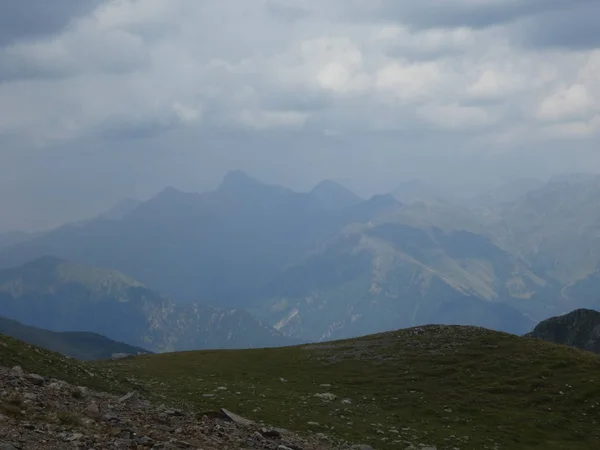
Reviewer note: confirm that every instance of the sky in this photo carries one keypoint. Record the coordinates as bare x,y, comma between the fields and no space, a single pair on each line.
102,100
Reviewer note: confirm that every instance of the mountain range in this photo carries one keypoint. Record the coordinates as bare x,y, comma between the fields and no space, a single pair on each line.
63,296
79,345
328,264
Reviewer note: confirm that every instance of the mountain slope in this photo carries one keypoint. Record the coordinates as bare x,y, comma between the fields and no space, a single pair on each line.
579,328
80,345
9,238
333,195
385,276
553,228
222,246
61,296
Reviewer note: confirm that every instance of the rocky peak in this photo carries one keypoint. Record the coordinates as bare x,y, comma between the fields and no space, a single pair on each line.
579,328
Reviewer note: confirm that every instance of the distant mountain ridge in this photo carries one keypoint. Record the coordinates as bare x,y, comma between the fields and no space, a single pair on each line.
386,276
57,295
79,345
222,246
323,264
333,195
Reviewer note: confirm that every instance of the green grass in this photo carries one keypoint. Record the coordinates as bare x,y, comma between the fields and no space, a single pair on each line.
47,363
449,386
454,387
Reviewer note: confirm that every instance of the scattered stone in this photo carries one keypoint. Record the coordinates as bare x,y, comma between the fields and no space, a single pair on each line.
36,379
119,356
92,411
98,420
237,419
74,437
29,396
327,396
17,371
131,398
271,433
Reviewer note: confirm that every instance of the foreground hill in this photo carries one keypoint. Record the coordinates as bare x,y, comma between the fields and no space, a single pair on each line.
79,345
579,328
448,386
41,412
58,295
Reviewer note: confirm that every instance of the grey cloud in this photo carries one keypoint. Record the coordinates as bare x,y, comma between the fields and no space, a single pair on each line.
290,11
576,27
171,99
456,13
38,18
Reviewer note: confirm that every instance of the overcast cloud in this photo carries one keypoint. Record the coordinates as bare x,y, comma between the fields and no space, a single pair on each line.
105,100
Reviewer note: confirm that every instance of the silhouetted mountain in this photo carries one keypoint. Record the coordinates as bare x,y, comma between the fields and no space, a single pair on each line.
80,345
9,238
120,210
333,195
62,296
220,246
579,328
418,190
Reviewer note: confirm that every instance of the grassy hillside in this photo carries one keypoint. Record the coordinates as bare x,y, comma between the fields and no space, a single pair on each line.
79,345
455,387
14,352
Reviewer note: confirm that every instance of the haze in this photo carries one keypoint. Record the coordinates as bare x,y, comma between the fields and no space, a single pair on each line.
101,101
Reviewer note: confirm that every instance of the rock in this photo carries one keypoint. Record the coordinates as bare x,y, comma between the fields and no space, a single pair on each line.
29,396
74,437
237,419
92,411
313,424
132,398
36,379
165,446
271,433
17,371
361,447
347,401
258,437
327,396
118,356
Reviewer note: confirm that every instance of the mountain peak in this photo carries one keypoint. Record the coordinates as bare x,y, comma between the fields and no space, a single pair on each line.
578,329
239,184
236,180
333,195
46,261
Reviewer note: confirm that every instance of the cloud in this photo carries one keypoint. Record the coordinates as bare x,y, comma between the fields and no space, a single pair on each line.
573,27
36,19
373,79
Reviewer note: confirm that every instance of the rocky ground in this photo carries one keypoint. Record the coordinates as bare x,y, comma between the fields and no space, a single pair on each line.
45,413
